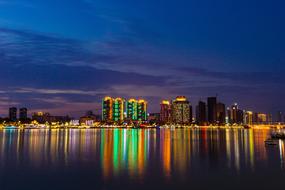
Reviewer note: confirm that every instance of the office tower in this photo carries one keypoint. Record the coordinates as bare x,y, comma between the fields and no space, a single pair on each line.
13,114
165,111
191,113
118,109
180,110
221,113
240,117
23,115
201,113
142,110
269,119
234,114
212,110
107,109
261,118
132,110
279,117
248,119
229,116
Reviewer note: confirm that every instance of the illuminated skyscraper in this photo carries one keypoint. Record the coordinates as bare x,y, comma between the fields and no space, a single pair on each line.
132,110
236,115
107,109
181,110
142,110
118,110
212,110
165,111
248,119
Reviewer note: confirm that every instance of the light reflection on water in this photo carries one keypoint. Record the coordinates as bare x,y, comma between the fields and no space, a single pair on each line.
140,153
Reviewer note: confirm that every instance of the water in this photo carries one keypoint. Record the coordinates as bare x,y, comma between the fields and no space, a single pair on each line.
140,159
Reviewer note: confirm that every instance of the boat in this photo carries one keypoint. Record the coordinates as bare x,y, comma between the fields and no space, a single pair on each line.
278,135
271,142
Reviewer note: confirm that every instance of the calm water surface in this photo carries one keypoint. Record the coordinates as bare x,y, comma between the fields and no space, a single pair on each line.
140,159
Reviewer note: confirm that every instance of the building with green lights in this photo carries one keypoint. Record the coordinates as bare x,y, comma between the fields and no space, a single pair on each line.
118,110
107,109
132,110
142,110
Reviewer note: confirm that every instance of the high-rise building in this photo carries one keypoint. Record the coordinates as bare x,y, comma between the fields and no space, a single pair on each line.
212,110
221,113
181,110
240,116
165,111
118,109
248,118
142,110
262,118
233,114
13,114
107,109
23,115
279,116
132,109
201,113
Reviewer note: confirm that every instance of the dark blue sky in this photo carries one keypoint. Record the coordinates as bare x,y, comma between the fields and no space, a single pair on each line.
64,56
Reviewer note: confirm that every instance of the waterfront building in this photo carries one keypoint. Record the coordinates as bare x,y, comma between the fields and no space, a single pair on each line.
279,117
235,115
153,118
107,109
23,114
181,110
165,111
132,110
13,114
118,110
261,118
142,110
221,113
212,110
248,118
201,113
42,118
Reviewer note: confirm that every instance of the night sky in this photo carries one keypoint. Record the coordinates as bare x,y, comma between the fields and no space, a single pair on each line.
63,56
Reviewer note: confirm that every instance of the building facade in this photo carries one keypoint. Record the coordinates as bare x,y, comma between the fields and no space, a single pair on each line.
181,110
165,112
201,113
13,114
107,109
212,110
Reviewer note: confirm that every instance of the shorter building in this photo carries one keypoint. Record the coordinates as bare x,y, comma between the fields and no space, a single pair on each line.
42,118
87,118
154,118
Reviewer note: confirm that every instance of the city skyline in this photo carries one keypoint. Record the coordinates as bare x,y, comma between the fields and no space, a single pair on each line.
65,60
179,110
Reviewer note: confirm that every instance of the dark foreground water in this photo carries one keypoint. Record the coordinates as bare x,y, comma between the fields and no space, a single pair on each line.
140,159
